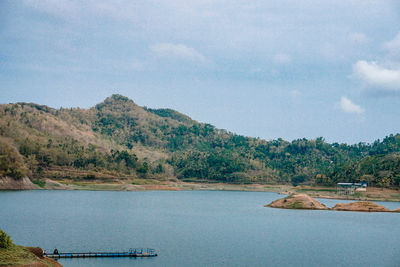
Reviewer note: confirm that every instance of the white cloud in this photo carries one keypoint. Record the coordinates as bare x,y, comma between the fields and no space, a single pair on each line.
349,107
179,51
282,58
383,78
377,76
358,38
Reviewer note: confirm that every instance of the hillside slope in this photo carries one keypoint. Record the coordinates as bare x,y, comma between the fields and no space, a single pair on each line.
118,139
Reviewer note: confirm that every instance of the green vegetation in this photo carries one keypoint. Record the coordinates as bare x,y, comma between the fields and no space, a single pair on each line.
15,255
117,139
39,183
316,189
144,181
5,240
295,205
11,254
11,162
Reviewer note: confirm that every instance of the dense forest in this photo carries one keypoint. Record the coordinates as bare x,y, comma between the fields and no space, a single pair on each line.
118,139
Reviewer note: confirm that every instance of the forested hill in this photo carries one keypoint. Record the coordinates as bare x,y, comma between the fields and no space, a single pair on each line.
118,139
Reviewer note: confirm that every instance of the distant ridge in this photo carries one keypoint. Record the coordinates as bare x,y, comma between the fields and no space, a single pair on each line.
117,139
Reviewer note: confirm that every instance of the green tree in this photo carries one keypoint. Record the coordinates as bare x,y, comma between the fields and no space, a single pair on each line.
5,240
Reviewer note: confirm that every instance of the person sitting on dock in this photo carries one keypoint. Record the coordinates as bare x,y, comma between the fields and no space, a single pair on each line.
55,252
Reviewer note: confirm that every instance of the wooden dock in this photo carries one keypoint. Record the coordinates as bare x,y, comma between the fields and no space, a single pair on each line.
137,252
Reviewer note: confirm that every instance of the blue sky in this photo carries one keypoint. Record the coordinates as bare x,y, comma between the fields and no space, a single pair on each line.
267,69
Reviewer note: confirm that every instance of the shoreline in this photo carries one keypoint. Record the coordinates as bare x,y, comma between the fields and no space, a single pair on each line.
372,193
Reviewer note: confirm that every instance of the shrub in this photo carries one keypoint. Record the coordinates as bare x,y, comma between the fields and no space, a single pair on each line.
40,183
5,240
11,161
298,179
90,176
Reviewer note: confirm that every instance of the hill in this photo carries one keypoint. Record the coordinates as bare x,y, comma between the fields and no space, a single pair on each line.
117,139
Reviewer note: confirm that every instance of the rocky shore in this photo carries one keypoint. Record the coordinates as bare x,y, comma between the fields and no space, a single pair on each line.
8,183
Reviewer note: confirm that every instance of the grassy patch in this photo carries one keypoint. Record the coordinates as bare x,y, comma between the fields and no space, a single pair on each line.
317,190
40,183
358,194
273,187
94,187
15,255
145,181
194,180
295,205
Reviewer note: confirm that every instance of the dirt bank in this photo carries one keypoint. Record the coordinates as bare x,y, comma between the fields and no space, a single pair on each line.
46,263
17,256
8,183
298,201
42,261
366,206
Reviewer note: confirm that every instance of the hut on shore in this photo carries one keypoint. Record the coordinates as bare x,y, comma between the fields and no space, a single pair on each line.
350,188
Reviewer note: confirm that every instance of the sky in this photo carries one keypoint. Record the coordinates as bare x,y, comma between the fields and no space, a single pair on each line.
268,69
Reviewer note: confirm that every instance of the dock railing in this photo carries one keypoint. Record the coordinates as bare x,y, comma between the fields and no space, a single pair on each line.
133,252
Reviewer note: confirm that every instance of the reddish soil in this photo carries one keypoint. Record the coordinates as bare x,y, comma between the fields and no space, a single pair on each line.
366,206
41,264
160,187
298,201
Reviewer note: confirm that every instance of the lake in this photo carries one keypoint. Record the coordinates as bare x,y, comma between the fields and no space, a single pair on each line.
199,228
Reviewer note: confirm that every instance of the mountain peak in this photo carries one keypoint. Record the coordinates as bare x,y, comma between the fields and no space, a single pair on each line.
116,101
118,98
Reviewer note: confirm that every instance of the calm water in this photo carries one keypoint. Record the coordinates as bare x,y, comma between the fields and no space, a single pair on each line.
199,228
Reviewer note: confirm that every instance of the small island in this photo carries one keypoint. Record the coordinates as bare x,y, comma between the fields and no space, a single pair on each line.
304,201
298,201
366,206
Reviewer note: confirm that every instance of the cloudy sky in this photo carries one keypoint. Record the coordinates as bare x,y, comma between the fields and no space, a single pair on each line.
267,69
